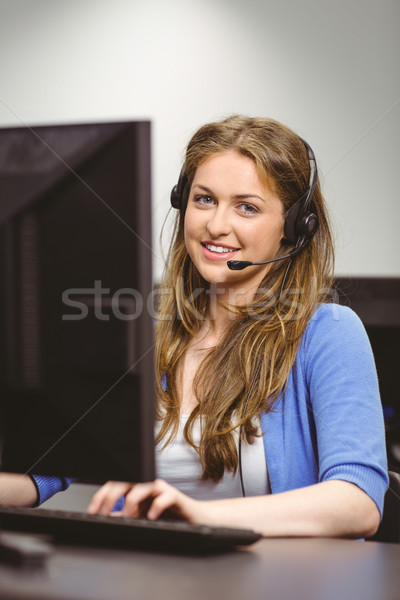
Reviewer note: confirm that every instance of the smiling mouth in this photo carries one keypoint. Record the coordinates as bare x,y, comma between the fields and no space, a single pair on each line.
219,249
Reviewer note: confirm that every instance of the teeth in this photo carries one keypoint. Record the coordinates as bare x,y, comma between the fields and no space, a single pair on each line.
219,249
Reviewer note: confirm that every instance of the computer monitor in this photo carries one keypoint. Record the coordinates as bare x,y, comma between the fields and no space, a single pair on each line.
76,322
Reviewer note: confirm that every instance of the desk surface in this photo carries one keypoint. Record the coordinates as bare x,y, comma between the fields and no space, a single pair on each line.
302,569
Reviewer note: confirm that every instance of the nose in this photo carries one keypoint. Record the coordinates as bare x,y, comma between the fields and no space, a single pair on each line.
218,223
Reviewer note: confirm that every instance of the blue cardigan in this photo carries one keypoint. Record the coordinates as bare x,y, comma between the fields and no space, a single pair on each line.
328,422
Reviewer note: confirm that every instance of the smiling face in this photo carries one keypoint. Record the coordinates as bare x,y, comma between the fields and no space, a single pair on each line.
232,214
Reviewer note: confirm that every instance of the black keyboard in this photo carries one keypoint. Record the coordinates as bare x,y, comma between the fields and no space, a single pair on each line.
125,532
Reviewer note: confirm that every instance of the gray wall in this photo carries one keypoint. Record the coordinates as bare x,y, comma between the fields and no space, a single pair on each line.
327,69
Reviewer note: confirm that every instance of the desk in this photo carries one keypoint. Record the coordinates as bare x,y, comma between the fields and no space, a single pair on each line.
274,569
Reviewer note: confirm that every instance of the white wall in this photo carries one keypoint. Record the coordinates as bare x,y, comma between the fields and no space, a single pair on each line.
327,69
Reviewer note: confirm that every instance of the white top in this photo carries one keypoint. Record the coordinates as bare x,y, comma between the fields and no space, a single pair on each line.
179,464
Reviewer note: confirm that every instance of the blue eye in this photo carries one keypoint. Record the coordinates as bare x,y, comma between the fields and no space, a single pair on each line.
248,209
204,200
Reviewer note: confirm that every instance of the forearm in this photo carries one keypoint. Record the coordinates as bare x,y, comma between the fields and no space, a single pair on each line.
17,490
328,509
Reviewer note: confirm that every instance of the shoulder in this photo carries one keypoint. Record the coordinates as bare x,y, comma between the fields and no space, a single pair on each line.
334,322
335,332
334,316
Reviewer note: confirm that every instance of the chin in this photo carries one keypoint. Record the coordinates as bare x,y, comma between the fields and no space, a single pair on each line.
215,278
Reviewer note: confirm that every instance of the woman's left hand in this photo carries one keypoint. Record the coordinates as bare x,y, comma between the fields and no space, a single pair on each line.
150,500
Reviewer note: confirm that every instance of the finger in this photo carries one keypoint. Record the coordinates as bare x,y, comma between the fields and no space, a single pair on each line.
140,496
175,503
112,494
104,500
165,501
95,502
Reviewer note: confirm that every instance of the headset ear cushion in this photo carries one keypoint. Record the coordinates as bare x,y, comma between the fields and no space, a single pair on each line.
308,225
175,197
296,226
179,192
290,224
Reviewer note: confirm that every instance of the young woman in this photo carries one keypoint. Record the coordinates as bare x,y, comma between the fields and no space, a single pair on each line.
269,410
269,414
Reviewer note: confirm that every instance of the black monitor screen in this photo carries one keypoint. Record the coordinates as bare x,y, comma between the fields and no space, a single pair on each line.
376,300
76,325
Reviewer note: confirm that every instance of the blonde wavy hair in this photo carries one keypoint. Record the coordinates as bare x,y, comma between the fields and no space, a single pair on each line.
252,361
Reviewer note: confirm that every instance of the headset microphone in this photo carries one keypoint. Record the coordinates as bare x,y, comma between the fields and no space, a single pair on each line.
239,265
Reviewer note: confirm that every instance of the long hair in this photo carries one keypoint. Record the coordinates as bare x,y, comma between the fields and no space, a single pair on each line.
258,350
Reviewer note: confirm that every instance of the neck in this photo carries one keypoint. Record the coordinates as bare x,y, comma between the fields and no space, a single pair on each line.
220,298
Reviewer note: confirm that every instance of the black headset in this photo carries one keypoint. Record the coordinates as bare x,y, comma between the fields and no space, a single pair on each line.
301,222
180,192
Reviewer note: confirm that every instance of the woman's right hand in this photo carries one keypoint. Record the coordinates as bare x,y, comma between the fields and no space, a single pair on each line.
150,500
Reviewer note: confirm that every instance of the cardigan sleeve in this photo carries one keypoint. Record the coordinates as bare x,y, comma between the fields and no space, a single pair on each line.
47,486
344,394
